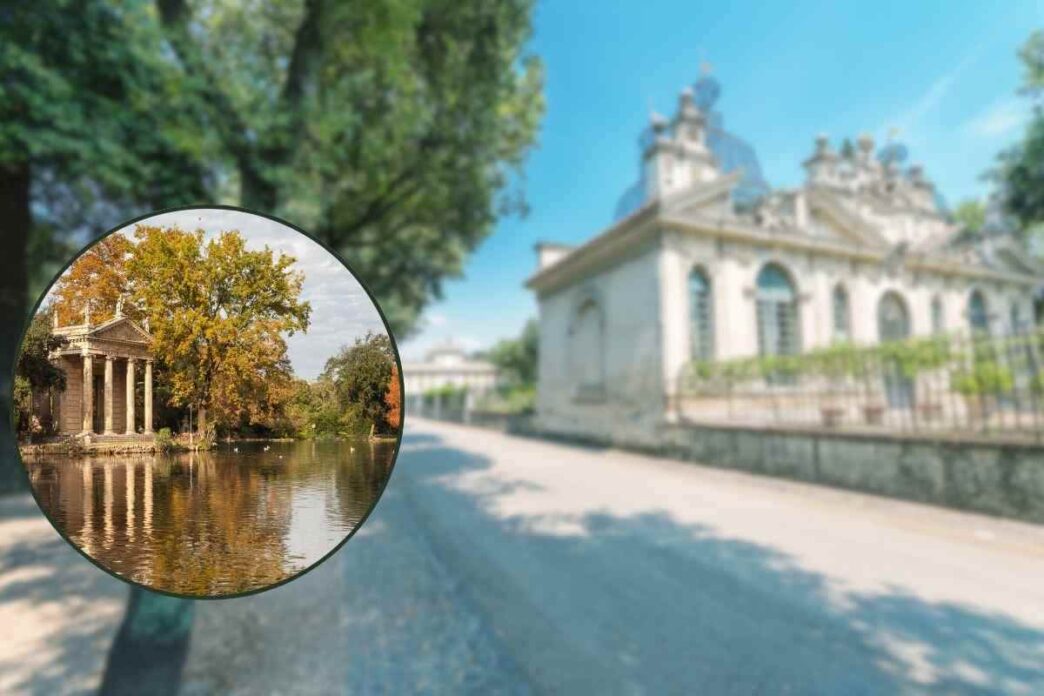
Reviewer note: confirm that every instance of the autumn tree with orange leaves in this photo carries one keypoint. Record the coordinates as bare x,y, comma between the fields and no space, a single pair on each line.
217,311
97,279
393,416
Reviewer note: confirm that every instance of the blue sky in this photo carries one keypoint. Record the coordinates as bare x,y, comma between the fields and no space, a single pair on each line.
943,73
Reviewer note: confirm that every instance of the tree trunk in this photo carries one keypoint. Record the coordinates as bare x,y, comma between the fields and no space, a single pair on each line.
255,192
15,224
151,646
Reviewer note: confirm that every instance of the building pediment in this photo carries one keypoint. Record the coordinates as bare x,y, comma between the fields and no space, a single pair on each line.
120,329
703,198
832,219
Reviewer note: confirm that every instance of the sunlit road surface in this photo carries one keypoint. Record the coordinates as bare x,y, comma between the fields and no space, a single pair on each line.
58,613
496,564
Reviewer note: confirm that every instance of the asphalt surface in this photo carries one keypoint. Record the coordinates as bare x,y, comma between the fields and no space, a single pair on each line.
496,564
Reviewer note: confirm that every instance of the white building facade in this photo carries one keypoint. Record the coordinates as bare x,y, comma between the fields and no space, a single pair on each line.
447,366
859,253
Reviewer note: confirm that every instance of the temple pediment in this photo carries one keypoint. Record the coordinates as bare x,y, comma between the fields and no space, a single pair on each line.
120,329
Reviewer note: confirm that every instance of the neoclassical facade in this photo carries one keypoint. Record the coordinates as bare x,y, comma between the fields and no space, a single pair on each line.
101,364
860,252
447,365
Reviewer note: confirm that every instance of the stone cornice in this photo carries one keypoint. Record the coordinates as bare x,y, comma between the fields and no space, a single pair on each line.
737,231
620,237
623,236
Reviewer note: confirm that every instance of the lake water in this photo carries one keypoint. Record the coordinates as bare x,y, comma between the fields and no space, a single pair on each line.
217,522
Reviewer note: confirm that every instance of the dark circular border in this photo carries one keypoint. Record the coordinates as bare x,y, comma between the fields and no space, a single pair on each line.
398,365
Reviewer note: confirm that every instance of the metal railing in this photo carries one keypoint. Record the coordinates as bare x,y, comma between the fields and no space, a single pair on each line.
988,386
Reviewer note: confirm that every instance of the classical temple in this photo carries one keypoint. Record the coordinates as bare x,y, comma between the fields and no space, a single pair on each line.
101,362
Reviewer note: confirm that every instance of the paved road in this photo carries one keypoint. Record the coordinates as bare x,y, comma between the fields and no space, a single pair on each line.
504,565
496,564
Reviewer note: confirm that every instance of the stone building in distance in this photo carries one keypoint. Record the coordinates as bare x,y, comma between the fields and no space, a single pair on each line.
447,366
861,253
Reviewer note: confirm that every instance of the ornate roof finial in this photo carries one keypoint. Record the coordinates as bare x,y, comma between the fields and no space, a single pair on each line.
87,313
119,306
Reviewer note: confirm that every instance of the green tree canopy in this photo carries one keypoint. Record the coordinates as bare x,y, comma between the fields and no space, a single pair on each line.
34,370
1020,169
516,358
362,374
393,129
33,364
970,216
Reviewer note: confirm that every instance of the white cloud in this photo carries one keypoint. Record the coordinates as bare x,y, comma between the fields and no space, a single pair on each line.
910,119
999,119
436,320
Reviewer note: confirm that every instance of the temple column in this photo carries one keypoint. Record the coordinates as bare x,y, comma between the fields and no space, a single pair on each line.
108,395
148,397
130,396
88,393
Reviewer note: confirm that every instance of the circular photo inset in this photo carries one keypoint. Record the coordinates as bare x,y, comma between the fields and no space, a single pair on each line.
208,402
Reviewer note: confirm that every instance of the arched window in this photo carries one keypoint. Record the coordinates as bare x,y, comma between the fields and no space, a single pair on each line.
586,347
893,324
701,316
841,320
938,318
777,312
893,319
978,317
1016,317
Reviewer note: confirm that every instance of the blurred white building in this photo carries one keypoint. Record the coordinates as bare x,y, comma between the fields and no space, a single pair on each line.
860,252
447,365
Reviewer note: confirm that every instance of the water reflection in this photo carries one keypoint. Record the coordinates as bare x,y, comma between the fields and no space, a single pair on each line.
217,522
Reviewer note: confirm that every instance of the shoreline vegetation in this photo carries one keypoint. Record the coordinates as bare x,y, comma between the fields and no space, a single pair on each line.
71,446
217,314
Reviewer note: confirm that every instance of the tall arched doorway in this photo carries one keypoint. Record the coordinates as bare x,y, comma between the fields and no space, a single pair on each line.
778,332
893,324
701,315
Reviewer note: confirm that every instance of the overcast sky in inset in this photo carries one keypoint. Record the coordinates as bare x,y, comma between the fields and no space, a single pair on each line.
341,309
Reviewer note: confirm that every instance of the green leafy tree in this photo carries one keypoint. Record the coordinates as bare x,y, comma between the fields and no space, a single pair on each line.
95,124
516,358
393,129
361,374
34,372
1020,169
970,216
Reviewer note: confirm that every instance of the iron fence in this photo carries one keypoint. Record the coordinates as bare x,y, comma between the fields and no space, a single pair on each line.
990,386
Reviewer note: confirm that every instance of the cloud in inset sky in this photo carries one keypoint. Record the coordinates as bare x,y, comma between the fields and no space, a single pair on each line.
341,309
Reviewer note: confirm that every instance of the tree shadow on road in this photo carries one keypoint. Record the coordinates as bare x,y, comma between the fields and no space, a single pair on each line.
641,602
559,602
61,602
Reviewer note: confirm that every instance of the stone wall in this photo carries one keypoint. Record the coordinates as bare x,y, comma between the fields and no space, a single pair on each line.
1004,479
